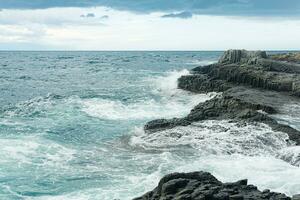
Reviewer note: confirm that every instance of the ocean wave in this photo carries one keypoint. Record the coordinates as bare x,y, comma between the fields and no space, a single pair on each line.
149,109
172,102
229,150
65,57
216,138
37,106
266,172
202,62
290,155
33,150
263,171
290,115
167,84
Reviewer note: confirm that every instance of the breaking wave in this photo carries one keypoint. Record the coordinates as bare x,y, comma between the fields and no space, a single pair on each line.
172,102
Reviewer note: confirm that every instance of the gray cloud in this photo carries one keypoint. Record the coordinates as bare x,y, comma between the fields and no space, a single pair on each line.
88,15
210,7
182,15
104,17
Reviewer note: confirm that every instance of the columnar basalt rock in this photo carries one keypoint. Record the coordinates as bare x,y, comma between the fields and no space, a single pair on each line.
238,67
253,86
292,57
250,81
241,56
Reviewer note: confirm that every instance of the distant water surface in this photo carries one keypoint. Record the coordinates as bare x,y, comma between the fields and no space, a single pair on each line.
71,128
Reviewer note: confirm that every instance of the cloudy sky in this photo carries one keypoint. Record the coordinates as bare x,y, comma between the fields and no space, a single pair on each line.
149,24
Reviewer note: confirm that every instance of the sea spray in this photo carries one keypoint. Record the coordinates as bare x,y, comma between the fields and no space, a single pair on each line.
68,132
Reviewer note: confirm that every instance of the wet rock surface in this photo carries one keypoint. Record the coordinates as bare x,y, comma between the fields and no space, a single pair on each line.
253,85
204,186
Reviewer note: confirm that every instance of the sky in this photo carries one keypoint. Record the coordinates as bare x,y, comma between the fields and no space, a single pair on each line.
149,24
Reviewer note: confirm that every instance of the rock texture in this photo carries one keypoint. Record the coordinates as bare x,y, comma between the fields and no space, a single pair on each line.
239,67
253,87
236,56
204,186
293,57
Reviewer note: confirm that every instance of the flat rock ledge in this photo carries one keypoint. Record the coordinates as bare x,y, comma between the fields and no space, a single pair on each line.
204,186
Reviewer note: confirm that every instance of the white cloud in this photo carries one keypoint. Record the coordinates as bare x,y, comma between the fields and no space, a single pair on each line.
63,28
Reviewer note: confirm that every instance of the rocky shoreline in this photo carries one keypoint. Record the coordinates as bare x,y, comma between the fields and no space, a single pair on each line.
203,186
254,86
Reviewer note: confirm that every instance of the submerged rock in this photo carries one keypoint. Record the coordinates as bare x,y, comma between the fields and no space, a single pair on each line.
204,186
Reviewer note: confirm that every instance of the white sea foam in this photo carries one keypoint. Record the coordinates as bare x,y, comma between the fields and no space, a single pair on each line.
173,102
291,155
290,115
33,150
150,109
217,137
202,62
230,151
266,172
31,107
167,85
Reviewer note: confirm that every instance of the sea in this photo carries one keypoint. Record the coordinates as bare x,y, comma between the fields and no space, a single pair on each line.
71,128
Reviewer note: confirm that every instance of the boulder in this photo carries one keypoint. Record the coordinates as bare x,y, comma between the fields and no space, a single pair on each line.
202,185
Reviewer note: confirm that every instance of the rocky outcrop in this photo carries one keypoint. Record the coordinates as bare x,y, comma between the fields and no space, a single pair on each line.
278,66
204,186
202,83
237,103
293,57
241,56
253,87
261,73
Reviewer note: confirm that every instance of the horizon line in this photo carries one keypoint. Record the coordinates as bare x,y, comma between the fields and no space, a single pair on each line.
217,50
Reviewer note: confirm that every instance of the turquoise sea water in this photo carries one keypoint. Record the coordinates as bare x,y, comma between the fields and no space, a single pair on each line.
71,128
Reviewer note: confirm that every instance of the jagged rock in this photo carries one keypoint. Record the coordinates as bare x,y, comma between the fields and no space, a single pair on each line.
278,66
238,67
223,77
203,185
243,56
253,87
160,124
287,57
238,103
202,83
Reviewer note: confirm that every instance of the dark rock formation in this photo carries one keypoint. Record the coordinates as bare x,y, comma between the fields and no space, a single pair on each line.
237,103
236,56
287,57
160,124
204,186
261,73
253,87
